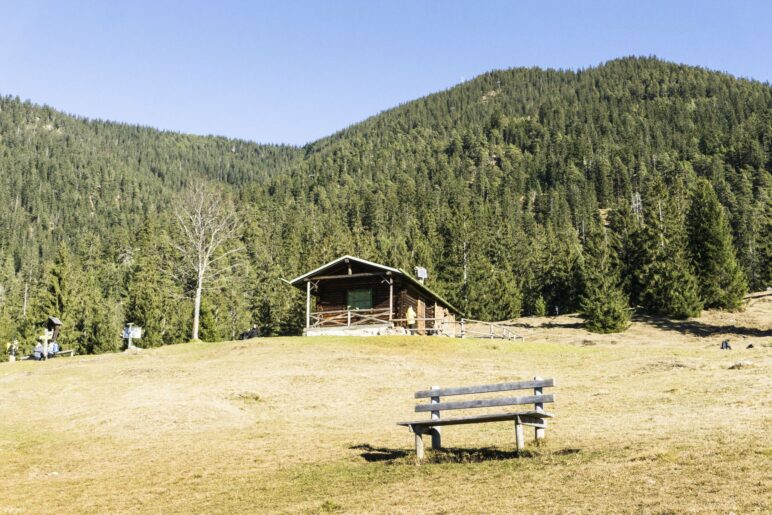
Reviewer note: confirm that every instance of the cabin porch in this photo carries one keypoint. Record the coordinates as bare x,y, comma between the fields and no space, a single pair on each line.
361,322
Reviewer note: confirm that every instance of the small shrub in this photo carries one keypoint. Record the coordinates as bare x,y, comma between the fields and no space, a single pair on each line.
249,397
330,507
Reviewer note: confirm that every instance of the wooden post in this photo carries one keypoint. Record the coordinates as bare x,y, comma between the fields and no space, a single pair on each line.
463,333
348,317
308,304
436,436
519,435
539,431
419,446
47,335
490,331
128,334
391,299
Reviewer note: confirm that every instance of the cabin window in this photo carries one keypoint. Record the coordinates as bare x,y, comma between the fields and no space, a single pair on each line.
359,299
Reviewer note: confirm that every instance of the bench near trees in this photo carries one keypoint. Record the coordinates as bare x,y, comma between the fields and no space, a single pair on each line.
62,353
535,418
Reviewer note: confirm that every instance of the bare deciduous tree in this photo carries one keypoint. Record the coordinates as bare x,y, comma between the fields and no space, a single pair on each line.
208,223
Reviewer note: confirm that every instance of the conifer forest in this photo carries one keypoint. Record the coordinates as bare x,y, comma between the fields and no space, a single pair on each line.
638,187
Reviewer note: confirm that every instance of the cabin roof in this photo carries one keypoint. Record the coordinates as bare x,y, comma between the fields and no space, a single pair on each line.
297,282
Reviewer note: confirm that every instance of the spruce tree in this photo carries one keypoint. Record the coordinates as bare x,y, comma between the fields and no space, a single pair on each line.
61,287
668,285
9,295
155,301
604,304
721,280
626,240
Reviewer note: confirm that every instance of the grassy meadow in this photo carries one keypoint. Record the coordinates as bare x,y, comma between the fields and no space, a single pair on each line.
308,425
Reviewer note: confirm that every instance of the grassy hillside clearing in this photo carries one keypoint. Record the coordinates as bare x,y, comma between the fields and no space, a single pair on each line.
656,423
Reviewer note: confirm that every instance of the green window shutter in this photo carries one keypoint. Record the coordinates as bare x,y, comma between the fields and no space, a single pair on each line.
359,299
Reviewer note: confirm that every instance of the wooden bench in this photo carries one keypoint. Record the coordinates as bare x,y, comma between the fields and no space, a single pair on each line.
535,417
61,353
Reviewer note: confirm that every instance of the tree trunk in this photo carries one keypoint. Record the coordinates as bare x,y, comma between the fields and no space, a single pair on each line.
197,310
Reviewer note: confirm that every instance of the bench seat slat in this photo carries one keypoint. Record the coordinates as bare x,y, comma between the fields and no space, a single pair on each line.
486,403
529,418
485,388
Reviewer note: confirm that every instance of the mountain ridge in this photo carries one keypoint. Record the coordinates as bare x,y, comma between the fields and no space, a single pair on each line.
236,139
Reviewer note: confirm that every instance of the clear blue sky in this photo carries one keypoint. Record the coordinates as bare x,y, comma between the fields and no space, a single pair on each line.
293,71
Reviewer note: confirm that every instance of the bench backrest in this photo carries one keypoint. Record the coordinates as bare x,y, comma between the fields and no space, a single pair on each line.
538,398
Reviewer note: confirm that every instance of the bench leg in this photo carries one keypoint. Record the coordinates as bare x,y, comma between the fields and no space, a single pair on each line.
539,432
436,438
419,446
519,439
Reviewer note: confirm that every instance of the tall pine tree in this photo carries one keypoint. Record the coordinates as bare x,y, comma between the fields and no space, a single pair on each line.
155,301
604,304
721,280
669,287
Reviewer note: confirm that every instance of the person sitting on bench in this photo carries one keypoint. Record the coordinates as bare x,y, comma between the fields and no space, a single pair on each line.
53,349
37,354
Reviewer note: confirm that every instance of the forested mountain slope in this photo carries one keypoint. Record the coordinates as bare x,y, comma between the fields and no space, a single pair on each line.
521,191
63,176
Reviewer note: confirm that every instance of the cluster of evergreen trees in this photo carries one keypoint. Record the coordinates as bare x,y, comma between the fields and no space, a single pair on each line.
637,183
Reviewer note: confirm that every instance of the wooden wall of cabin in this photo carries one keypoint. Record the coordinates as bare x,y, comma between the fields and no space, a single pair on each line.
342,268
331,293
409,296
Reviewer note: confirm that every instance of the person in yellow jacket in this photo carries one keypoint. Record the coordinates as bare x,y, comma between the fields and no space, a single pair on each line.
410,316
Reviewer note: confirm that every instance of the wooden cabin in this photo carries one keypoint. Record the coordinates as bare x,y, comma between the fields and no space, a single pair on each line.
354,296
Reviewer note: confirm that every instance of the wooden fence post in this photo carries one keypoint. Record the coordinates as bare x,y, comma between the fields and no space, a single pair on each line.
308,304
391,299
436,436
462,328
539,431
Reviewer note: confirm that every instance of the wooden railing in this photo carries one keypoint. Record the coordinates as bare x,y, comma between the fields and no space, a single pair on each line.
430,325
349,317
490,330
464,328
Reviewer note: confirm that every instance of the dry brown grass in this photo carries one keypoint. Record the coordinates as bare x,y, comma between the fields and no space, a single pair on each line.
653,420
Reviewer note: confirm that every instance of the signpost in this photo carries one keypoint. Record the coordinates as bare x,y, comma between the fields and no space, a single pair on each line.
131,332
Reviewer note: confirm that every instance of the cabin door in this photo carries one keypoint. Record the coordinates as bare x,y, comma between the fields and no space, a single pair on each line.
420,317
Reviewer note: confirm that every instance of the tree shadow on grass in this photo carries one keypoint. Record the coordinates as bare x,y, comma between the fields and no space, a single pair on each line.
696,328
451,454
